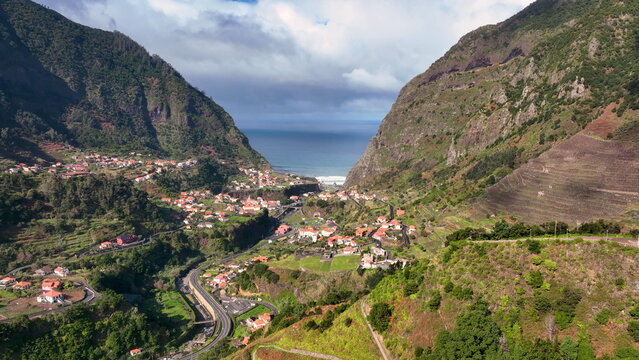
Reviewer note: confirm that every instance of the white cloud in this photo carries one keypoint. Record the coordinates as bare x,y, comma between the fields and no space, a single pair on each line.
293,55
378,81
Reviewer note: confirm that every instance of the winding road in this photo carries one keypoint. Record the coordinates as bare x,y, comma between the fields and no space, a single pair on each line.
224,323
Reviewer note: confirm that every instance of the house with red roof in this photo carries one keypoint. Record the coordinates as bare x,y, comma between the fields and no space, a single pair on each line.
260,322
396,224
282,229
105,245
362,232
126,239
380,234
309,233
260,259
349,250
50,297
135,352
8,281
328,231
50,284
22,285
61,271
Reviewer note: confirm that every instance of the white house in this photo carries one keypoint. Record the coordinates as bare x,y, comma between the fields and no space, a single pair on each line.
50,297
61,271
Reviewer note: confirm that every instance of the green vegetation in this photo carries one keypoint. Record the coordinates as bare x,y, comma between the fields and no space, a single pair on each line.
313,263
173,306
75,333
207,174
497,296
246,279
503,230
380,316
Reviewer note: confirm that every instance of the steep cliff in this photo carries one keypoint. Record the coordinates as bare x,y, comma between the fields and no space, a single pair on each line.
505,94
66,83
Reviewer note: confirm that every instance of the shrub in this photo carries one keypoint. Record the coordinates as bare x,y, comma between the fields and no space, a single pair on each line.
535,279
348,321
462,293
448,286
542,304
537,260
550,265
634,312
566,306
534,246
411,288
633,330
603,317
627,353
435,301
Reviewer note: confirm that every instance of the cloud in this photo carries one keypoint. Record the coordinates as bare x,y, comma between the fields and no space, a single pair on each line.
287,59
380,81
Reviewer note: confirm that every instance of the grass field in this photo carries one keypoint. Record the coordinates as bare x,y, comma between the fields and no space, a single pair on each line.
354,342
173,306
314,264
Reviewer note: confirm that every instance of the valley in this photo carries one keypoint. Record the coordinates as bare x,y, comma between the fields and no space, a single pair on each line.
493,215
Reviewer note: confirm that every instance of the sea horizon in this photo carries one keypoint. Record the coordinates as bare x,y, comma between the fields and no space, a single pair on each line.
325,155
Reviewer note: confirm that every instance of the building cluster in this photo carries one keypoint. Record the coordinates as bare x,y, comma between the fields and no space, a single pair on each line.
222,278
346,195
256,323
260,179
202,215
49,286
85,164
122,240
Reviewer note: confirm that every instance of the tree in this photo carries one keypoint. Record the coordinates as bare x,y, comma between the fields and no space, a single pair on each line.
435,301
448,286
534,246
566,305
476,336
541,303
379,317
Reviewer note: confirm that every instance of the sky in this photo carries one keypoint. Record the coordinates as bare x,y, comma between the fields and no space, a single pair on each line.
295,64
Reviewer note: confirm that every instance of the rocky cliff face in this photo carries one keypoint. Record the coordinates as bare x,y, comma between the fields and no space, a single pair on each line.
63,82
505,94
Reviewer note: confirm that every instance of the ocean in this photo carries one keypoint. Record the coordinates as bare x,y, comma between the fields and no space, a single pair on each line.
327,156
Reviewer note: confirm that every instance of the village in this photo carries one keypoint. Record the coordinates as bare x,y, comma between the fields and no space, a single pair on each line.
143,168
315,243
55,290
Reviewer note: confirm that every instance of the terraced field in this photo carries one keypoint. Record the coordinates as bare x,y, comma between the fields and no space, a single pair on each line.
580,179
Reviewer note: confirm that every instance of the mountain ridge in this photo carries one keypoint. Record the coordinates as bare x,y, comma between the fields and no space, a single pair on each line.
504,95
100,90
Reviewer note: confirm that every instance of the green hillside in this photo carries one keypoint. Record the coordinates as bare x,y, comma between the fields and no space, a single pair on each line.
504,95
61,82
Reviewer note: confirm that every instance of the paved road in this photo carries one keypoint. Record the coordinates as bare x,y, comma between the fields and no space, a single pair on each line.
224,322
